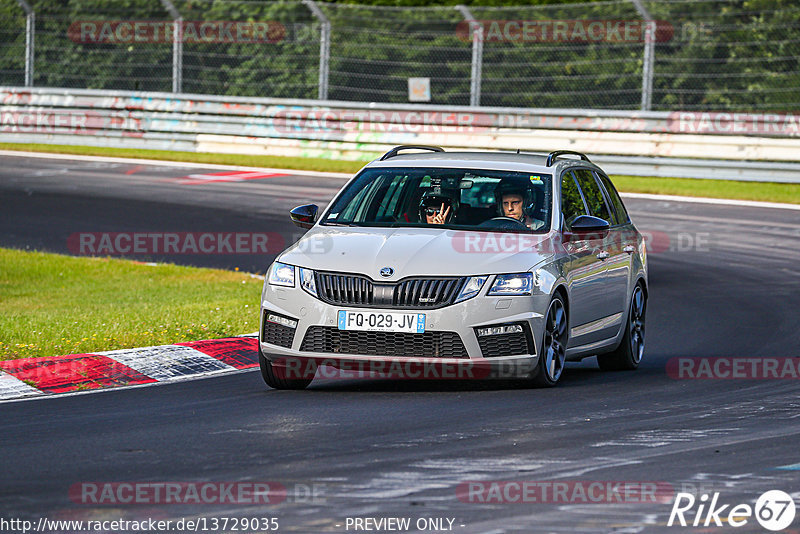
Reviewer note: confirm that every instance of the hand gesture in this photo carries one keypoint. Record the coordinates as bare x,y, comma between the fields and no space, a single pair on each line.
441,215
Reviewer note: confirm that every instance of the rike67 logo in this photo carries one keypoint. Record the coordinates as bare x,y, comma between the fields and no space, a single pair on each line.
774,510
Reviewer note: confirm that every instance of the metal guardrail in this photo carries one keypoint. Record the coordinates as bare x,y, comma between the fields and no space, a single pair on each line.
760,147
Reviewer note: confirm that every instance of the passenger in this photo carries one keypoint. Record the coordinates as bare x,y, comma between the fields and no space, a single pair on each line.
437,208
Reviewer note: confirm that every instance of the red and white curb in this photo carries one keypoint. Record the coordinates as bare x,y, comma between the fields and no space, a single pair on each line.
31,377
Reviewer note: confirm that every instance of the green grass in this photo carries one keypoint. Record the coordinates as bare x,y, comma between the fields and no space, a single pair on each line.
280,162
52,304
762,191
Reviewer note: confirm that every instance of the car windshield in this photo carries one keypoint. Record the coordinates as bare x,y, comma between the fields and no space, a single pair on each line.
469,199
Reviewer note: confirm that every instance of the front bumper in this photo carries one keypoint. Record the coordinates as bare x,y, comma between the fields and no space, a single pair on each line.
310,332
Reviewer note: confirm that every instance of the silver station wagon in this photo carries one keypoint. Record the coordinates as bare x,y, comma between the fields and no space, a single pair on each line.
434,264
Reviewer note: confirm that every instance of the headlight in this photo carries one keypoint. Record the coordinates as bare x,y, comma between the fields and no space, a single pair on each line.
281,274
307,281
512,284
471,288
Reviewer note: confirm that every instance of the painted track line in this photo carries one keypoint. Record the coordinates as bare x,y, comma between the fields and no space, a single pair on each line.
720,201
167,163
340,175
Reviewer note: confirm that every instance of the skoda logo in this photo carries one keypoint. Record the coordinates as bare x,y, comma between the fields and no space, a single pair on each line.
386,272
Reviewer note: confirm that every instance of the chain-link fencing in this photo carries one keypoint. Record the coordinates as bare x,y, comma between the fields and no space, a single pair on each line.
721,55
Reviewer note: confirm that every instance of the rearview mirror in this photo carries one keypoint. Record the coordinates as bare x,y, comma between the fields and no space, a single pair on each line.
304,216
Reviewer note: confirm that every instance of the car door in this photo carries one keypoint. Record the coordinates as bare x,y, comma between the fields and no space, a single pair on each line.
623,236
609,252
584,271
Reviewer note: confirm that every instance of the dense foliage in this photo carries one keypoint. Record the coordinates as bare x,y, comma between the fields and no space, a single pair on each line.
710,54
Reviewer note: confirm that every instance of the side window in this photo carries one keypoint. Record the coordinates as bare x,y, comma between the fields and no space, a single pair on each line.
349,212
388,204
571,202
372,201
619,207
593,195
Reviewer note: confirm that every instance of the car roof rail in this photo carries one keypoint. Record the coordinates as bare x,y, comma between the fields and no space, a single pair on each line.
552,156
393,152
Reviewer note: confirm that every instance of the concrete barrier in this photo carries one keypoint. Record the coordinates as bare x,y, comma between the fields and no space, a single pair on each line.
761,146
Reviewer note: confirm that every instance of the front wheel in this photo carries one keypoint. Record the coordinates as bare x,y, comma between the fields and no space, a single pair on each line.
553,354
275,376
629,353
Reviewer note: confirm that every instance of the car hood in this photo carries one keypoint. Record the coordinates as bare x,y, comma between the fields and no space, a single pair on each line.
417,251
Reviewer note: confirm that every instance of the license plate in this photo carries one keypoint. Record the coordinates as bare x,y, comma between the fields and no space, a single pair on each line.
382,321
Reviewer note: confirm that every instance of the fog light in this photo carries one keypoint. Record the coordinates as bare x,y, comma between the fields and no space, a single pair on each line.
277,319
498,330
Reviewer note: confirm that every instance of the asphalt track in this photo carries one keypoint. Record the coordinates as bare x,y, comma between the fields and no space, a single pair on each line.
724,282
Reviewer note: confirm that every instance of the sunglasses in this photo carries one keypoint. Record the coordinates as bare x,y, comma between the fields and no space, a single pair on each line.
432,211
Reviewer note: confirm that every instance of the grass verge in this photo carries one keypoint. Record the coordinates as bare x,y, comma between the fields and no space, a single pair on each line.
731,189
52,304
280,162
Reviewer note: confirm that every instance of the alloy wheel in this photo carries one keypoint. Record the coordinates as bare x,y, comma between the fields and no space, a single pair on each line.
555,340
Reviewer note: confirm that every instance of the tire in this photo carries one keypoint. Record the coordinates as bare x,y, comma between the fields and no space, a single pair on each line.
275,378
552,357
628,354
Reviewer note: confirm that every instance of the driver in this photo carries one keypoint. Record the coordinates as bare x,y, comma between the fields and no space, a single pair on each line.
437,208
517,202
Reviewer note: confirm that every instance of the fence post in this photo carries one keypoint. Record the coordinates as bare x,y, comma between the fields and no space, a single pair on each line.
477,55
177,46
649,55
30,34
324,46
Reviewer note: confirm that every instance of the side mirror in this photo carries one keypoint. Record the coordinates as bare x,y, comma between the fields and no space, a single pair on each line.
588,227
587,223
304,216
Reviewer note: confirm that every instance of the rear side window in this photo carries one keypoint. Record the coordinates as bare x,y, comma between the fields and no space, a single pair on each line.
593,195
571,202
619,207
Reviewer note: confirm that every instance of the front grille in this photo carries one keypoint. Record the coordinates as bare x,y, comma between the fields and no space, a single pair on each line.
506,344
330,339
344,289
277,334
426,292
360,291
